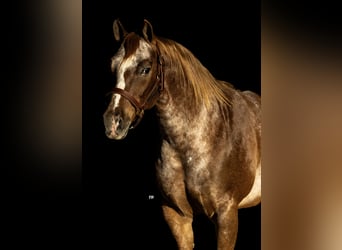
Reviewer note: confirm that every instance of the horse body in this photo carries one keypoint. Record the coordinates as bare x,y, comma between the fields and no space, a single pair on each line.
208,165
210,160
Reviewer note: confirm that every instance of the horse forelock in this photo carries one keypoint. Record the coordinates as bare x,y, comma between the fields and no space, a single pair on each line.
131,44
190,70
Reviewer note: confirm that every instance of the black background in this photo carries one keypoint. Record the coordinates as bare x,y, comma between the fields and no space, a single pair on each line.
120,196
113,202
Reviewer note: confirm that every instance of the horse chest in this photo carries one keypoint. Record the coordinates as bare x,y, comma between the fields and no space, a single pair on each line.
191,163
184,174
187,151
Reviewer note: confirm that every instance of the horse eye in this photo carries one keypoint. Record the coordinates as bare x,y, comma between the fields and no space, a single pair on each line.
145,71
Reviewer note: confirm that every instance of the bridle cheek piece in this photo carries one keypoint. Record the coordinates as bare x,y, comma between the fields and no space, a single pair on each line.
140,107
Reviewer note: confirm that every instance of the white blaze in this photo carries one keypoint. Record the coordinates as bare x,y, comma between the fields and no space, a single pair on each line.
121,84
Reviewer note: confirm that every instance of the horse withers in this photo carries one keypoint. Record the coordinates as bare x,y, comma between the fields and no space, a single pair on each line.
210,155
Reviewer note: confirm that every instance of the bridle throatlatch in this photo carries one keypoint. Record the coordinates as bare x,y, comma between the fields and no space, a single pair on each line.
156,88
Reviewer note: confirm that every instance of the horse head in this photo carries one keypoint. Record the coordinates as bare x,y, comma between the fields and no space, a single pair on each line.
139,79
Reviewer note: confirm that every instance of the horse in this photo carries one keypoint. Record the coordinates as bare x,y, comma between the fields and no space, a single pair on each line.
210,150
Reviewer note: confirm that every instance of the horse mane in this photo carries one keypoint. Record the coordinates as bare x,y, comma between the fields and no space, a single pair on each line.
205,86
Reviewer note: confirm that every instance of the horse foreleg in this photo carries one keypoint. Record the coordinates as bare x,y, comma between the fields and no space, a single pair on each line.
227,227
181,228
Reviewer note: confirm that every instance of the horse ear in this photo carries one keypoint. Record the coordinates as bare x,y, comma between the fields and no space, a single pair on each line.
119,30
148,31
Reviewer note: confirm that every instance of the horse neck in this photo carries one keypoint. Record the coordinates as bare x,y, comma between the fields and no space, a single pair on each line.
178,108
190,92
177,101
178,93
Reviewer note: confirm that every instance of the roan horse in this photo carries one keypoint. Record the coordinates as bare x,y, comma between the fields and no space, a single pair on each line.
210,156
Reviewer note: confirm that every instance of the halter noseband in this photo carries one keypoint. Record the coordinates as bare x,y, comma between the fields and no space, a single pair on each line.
157,87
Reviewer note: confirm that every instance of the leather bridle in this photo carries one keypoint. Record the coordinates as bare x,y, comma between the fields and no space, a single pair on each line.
152,91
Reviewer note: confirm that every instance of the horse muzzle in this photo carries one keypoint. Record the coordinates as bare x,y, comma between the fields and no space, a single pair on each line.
116,125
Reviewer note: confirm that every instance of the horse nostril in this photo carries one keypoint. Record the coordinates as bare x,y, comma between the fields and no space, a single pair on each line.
119,121
117,117
116,112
